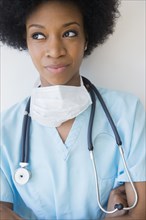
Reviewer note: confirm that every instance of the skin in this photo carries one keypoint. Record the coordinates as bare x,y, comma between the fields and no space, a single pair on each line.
7,213
126,196
56,41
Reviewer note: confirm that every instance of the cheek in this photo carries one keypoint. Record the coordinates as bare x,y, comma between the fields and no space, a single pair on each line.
76,48
78,54
35,54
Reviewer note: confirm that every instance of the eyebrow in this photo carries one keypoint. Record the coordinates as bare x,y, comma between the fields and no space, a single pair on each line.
64,25
71,23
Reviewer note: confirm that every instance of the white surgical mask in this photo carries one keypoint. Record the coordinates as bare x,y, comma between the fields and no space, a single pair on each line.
53,105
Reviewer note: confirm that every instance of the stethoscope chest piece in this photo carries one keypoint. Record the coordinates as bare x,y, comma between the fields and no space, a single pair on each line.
22,176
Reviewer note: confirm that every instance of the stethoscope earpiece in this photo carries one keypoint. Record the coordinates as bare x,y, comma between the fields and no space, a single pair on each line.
119,206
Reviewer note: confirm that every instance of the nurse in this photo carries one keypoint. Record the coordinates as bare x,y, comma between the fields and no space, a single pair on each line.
58,35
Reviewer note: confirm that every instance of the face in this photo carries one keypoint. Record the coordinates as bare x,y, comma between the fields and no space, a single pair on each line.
56,41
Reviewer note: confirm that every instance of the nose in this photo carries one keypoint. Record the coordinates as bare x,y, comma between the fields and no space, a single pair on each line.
55,48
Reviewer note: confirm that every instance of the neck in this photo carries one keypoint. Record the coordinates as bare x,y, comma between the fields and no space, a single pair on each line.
74,81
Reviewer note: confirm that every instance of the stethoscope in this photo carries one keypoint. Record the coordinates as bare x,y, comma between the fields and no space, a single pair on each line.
22,174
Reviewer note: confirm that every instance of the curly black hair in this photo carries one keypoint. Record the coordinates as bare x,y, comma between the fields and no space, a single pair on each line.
99,18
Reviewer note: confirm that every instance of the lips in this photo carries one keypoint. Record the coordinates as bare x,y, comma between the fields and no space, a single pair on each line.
59,68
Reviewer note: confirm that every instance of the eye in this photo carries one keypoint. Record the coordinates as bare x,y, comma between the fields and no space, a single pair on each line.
70,34
38,36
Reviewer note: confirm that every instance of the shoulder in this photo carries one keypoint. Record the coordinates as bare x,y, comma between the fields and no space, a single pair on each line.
121,103
119,98
126,111
11,130
14,115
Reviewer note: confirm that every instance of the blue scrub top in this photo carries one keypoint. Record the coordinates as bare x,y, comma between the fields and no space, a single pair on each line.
62,185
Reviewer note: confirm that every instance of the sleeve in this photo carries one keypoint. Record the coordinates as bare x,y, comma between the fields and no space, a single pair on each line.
6,194
134,146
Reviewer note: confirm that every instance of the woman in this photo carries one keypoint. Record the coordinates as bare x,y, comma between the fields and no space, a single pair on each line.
58,35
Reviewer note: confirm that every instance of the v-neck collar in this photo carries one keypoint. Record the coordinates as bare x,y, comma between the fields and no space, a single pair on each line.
67,146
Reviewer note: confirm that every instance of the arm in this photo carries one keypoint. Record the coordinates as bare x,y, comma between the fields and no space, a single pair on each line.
6,211
139,212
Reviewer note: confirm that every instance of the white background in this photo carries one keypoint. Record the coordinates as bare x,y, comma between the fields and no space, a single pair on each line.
118,64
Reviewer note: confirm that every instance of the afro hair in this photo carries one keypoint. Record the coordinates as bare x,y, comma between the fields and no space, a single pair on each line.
99,18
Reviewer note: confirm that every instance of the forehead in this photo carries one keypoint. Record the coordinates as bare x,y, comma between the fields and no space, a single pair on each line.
51,11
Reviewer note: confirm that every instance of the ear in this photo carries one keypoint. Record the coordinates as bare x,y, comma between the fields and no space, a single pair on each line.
86,46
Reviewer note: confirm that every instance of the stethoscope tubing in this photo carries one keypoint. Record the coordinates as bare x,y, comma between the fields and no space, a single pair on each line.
91,120
106,111
130,179
97,184
25,132
92,90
